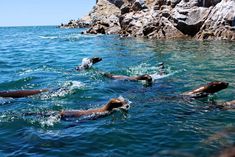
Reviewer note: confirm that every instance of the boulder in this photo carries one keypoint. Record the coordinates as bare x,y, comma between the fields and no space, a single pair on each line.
189,21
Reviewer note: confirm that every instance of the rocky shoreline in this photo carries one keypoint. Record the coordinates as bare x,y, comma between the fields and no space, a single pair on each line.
161,19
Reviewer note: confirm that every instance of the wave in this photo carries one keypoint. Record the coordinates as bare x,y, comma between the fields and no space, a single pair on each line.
70,37
154,71
48,37
66,88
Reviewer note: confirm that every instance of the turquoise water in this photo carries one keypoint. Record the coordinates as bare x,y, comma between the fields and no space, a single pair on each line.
159,122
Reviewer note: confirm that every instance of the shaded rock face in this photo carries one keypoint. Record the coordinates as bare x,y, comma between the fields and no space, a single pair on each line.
164,19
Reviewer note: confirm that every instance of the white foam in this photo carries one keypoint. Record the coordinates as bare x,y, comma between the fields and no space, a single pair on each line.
50,121
154,71
48,37
66,88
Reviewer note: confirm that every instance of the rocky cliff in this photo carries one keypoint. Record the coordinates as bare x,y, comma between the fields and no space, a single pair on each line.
163,19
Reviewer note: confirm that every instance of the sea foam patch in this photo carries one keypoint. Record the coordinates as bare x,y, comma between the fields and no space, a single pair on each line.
67,87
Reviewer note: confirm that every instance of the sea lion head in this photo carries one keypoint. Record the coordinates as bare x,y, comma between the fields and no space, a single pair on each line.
87,63
215,86
117,103
95,60
146,77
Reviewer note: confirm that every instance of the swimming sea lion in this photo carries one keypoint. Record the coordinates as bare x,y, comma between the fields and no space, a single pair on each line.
229,105
87,63
21,93
145,77
205,90
161,68
113,104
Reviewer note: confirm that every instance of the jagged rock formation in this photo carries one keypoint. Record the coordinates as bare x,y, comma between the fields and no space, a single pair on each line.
164,19
76,24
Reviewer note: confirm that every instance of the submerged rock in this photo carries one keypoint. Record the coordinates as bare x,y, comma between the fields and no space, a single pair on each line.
162,19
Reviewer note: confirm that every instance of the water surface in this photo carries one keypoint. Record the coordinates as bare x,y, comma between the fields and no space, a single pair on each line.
159,122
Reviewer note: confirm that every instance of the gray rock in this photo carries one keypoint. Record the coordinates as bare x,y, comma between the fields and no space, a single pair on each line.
162,19
219,23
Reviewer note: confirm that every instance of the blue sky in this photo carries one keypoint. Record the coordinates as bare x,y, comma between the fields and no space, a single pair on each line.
42,12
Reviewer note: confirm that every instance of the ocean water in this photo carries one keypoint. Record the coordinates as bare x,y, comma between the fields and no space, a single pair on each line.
159,123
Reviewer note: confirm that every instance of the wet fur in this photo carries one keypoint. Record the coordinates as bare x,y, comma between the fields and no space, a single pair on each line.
107,108
205,90
145,77
21,93
86,66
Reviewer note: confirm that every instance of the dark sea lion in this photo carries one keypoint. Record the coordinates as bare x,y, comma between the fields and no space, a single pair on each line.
145,77
88,62
21,93
205,90
113,104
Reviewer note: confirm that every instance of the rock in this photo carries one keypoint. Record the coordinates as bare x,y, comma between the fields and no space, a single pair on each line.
97,29
125,9
136,6
162,19
220,21
76,24
189,21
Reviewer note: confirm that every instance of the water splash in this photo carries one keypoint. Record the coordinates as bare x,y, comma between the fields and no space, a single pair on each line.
67,88
49,121
156,72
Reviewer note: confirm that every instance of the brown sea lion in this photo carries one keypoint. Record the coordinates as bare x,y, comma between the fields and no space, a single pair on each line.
229,105
145,77
229,152
87,63
205,90
21,93
113,104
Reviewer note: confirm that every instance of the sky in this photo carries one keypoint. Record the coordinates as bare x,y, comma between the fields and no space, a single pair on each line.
42,12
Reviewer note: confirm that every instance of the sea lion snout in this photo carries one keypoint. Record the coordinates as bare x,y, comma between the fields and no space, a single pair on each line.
118,103
146,77
216,86
96,60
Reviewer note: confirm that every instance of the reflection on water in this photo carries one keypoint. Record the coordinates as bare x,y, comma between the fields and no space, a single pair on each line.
159,122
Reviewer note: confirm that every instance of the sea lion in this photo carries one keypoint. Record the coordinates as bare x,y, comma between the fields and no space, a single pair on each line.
148,78
21,93
229,105
145,77
112,105
161,67
205,90
87,63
